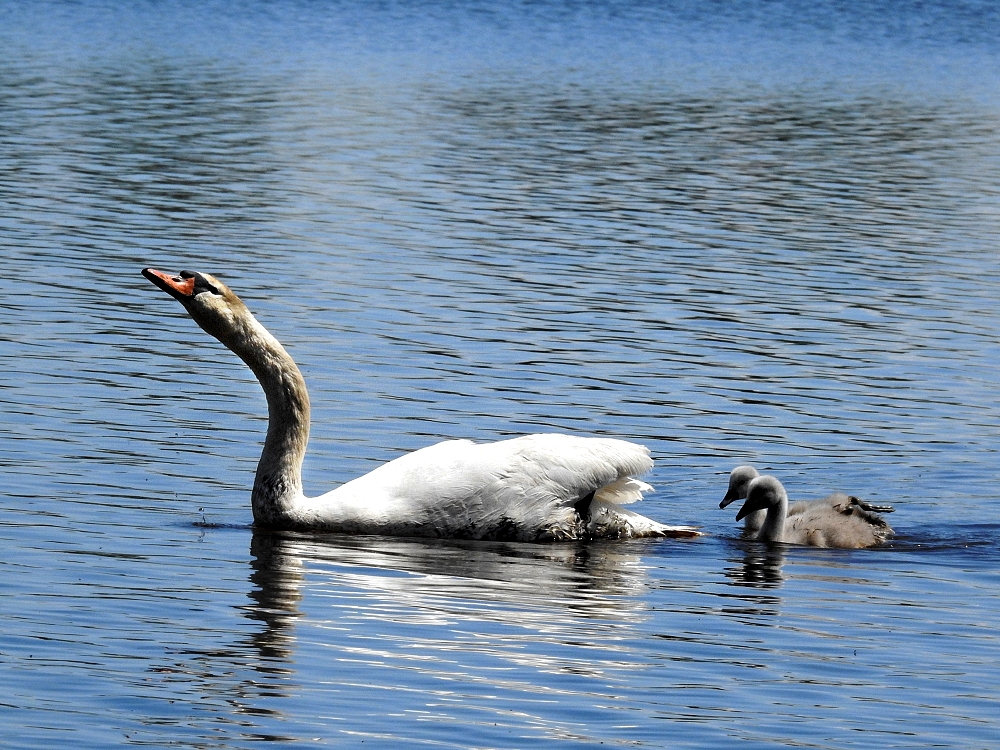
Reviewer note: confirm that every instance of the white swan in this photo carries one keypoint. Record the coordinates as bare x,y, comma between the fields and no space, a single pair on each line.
837,521
532,488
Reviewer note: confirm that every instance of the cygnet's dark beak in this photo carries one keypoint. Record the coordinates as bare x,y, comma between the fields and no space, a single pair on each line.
754,502
180,287
730,496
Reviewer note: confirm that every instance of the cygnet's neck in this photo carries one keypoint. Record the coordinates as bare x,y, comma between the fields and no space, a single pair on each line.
278,484
773,528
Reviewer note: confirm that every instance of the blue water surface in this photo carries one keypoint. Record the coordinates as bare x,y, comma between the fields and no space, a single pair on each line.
758,232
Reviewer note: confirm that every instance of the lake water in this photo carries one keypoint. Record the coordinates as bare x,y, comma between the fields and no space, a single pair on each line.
735,232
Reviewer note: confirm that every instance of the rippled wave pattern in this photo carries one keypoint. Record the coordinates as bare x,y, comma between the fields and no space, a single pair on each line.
736,232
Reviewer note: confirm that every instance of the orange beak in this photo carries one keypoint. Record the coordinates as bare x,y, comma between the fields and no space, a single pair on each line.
178,287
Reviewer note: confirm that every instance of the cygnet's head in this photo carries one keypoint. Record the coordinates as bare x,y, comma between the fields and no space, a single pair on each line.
763,492
211,303
739,481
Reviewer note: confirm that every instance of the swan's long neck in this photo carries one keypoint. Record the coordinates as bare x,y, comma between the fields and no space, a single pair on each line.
278,484
773,528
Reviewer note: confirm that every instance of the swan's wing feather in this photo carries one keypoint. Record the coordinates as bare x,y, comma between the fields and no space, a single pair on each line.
524,487
623,491
552,469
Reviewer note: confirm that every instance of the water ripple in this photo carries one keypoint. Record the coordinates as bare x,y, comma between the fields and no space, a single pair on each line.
735,232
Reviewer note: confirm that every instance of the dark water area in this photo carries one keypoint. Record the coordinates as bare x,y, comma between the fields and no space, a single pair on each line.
735,232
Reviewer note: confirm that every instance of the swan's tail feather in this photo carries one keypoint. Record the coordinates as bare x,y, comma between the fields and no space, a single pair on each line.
623,491
679,531
608,519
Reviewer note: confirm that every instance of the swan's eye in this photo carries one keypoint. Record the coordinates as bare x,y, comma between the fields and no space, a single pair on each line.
201,284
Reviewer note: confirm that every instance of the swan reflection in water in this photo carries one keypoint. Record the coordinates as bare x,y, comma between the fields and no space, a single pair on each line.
554,594
350,622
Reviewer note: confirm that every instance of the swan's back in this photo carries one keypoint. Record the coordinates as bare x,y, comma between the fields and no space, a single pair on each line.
532,488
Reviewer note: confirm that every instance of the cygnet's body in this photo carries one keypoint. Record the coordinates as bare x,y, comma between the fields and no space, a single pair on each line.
837,521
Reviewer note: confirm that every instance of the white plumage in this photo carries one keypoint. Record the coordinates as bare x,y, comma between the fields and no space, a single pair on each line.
523,488
531,488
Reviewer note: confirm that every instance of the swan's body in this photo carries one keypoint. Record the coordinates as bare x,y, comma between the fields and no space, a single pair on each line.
525,488
532,488
836,521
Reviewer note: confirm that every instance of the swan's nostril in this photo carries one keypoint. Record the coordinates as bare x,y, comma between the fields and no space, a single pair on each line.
177,287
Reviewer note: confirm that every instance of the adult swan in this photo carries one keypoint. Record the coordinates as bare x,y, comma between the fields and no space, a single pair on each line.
532,488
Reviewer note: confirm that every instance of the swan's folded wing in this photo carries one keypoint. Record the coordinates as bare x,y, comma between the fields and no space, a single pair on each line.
524,488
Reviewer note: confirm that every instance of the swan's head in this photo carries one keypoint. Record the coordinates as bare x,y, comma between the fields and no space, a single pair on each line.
210,302
763,492
739,482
